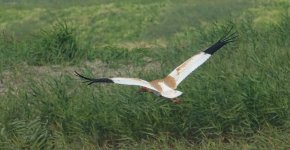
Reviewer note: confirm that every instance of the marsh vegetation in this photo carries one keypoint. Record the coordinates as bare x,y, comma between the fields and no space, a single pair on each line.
239,99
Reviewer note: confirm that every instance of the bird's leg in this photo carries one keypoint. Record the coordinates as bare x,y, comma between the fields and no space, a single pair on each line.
143,89
176,100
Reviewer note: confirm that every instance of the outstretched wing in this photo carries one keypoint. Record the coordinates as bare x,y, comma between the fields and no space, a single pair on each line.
182,71
124,81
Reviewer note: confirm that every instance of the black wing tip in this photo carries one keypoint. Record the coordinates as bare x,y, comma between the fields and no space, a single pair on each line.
91,80
229,37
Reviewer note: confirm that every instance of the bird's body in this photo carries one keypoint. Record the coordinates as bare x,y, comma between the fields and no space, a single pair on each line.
166,87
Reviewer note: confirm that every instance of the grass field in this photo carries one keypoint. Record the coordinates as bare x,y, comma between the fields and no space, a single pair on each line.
239,99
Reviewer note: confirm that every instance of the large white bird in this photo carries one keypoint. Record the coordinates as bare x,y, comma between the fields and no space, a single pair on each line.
166,87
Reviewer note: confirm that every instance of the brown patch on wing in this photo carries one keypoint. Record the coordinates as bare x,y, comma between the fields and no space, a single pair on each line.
170,81
180,68
155,84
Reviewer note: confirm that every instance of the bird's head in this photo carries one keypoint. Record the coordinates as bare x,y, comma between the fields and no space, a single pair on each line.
176,100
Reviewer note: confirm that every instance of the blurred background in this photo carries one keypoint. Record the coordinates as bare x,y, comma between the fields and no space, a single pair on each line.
239,99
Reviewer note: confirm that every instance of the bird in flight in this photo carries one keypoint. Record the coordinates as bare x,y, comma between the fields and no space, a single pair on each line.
166,87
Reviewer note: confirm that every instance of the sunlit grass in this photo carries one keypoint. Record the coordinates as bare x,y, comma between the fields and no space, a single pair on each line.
239,99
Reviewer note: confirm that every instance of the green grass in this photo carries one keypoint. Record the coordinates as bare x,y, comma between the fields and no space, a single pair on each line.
56,45
239,99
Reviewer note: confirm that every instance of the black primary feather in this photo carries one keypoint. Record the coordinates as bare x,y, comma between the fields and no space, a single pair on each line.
227,38
92,80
